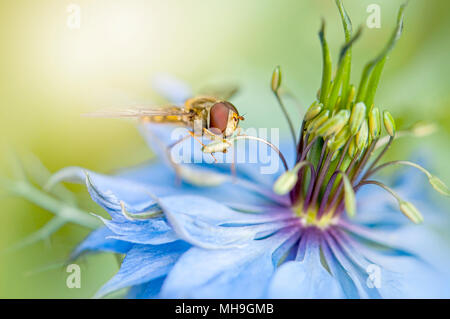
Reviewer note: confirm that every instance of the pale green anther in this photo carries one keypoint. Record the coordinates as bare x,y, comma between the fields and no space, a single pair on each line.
285,183
276,79
423,129
439,185
313,111
334,124
352,148
362,135
410,211
358,116
389,123
349,197
340,139
374,122
318,121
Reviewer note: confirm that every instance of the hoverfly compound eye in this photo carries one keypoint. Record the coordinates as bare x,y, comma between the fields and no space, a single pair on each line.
219,115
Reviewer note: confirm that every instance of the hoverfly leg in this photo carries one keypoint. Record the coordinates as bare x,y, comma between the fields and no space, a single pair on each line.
213,137
174,164
233,166
193,135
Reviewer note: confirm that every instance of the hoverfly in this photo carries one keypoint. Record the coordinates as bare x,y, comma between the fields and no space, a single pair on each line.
219,119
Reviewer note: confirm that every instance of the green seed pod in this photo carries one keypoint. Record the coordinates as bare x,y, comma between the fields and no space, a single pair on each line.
334,124
389,123
410,211
276,79
361,136
357,118
374,122
318,121
313,111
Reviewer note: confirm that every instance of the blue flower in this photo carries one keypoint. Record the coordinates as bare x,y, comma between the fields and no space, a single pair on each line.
234,241
196,231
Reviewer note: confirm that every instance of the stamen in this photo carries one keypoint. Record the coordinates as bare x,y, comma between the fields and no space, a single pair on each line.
407,208
275,85
249,137
437,184
287,181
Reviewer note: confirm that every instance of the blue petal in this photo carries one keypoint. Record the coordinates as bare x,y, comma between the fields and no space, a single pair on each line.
144,263
199,221
231,192
135,188
305,277
98,240
154,231
227,273
419,257
377,208
397,275
148,290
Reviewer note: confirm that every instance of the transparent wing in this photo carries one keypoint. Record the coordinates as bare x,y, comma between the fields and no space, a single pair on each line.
223,91
138,112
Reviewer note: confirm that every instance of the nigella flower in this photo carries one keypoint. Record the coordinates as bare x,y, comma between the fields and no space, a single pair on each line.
325,228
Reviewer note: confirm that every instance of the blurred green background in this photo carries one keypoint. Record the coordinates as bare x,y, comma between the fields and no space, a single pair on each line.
50,74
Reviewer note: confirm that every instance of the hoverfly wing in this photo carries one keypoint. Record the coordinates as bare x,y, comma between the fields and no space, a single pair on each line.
223,92
138,112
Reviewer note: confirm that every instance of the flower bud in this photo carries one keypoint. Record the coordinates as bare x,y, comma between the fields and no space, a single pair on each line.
374,122
276,79
389,123
358,116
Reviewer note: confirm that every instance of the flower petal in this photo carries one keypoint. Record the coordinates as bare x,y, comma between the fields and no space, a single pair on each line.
414,259
305,277
199,221
98,240
148,290
226,273
144,263
154,231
